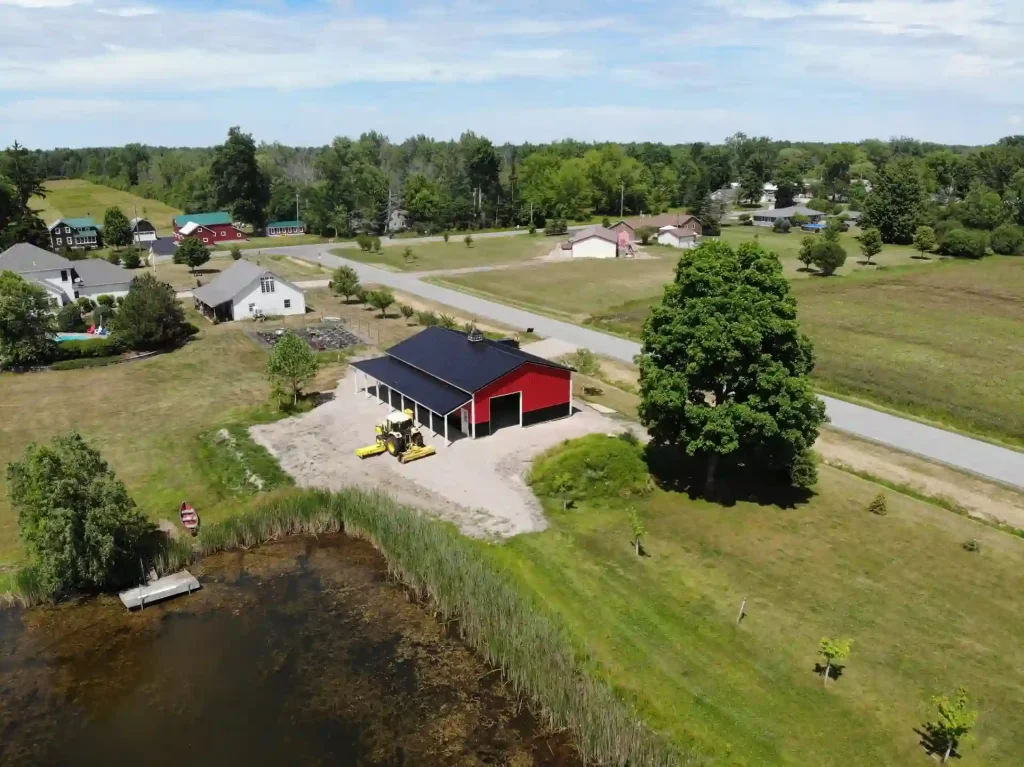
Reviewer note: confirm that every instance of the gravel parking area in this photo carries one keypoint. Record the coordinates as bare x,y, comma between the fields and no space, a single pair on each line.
479,485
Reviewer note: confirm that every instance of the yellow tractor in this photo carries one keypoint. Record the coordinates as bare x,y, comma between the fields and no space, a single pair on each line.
400,437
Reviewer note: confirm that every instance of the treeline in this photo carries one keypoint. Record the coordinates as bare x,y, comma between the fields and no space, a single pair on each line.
372,185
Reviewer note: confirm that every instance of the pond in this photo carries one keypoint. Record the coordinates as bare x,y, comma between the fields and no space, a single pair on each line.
300,653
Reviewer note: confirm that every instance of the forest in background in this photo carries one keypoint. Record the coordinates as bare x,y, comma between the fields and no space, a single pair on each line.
352,186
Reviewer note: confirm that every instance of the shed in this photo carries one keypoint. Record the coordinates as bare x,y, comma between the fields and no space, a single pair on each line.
466,383
595,242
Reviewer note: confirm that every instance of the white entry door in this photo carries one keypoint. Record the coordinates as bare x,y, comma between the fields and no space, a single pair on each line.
465,421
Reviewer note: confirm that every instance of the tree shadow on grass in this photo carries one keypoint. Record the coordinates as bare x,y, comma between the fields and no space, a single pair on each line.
807,270
922,258
834,672
934,741
673,470
866,263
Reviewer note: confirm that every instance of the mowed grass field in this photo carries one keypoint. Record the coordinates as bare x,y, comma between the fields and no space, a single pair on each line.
454,254
940,339
179,276
76,198
924,615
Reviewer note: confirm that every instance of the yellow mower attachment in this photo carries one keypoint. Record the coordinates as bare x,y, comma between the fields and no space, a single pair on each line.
414,453
370,450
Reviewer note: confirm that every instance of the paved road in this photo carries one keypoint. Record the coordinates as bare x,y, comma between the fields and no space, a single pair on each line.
936,444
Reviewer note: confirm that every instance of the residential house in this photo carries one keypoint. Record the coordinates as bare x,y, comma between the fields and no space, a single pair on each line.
769,217
245,290
75,234
667,220
625,226
595,242
285,228
66,280
210,228
161,248
678,238
142,230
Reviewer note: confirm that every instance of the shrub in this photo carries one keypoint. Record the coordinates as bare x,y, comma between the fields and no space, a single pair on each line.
746,216
427,319
377,247
585,362
105,300
93,348
748,222
468,239
365,242
131,259
828,256
447,321
114,257
782,226
236,253
878,505
102,315
86,304
606,222
820,203
799,219
407,311
804,470
69,319
556,226
151,316
972,545
445,235
533,229
964,243
601,467
1008,240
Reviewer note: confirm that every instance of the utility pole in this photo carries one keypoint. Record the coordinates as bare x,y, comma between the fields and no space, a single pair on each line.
297,216
531,213
622,201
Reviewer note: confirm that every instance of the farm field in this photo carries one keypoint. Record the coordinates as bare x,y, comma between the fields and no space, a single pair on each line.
925,616
76,198
454,254
936,338
274,242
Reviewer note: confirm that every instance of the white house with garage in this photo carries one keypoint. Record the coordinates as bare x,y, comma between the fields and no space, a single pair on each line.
66,280
678,238
596,242
246,290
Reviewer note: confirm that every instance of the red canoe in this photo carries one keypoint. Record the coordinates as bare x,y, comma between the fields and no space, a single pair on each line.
189,517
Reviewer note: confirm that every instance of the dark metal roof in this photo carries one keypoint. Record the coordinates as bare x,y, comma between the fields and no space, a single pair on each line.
450,356
436,395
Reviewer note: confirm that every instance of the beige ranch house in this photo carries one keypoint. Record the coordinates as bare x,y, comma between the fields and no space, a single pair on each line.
596,242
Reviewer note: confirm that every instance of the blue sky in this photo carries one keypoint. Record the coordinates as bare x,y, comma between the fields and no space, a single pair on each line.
107,72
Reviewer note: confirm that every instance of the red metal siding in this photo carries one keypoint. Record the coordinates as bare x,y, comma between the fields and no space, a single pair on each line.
541,387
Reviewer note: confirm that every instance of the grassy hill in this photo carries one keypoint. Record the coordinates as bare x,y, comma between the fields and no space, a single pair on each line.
73,198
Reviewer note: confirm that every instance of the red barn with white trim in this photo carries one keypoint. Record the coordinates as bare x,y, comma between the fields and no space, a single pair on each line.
459,382
208,228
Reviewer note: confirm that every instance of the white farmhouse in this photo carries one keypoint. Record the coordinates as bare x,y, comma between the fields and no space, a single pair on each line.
245,290
596,242
678,238
66,280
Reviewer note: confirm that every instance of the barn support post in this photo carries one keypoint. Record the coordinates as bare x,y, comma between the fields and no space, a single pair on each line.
447,441
472,416
570,392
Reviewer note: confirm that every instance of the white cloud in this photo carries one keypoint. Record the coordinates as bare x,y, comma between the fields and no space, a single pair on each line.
1015,120
130,12
46,109
43,3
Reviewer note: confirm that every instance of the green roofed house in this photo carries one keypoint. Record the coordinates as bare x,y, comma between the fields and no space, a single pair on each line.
203,219
284,228
75,234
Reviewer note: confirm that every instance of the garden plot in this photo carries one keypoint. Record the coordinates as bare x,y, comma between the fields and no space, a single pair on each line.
320,337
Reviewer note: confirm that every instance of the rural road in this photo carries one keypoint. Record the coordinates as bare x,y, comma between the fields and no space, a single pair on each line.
956,450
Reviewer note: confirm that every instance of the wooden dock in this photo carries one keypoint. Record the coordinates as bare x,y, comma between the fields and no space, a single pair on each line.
159,589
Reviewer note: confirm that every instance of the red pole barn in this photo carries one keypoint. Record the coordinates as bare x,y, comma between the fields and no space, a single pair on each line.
466,383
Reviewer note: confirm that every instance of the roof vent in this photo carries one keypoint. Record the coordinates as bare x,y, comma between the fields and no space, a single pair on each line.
475,336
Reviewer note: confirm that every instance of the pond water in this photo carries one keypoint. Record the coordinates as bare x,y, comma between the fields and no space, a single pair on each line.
297,653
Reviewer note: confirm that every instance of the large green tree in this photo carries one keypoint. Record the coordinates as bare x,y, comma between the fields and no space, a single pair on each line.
27,322
238,180
117,231
150,317
724,368
895,205
81,528
20,167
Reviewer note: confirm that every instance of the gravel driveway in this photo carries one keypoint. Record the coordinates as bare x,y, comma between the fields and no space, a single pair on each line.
479,485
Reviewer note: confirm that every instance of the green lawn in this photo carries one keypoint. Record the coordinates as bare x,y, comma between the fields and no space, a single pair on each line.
940,339
454,254
179,276
925,616
76,198
275,242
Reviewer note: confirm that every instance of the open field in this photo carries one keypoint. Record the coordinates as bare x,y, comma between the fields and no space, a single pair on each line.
455,255
179,277
75,198
274,242
939,339
925,615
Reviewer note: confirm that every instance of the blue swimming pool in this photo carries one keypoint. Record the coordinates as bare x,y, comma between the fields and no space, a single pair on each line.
77,337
